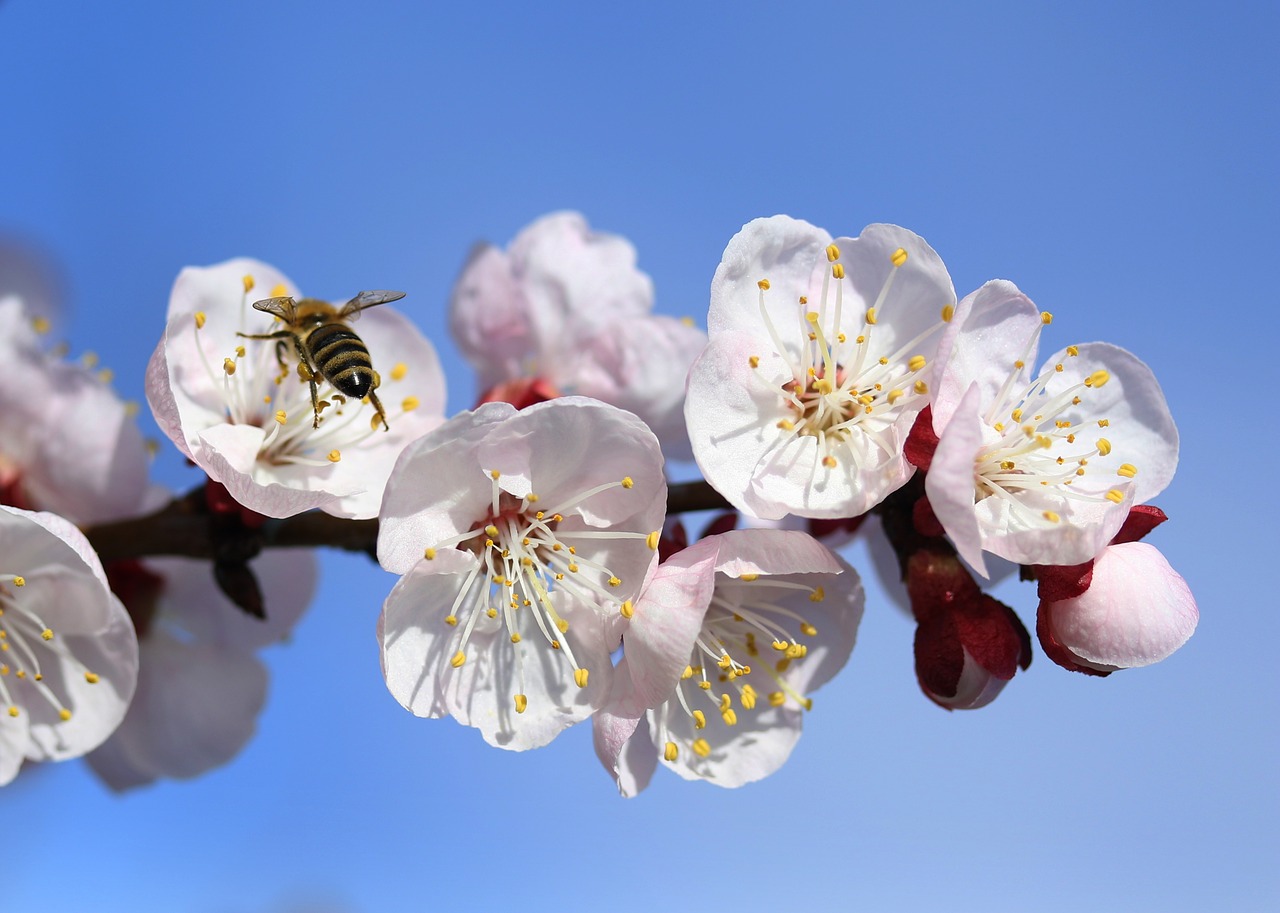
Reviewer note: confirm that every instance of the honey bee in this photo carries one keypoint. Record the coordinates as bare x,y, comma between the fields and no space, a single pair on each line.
326,346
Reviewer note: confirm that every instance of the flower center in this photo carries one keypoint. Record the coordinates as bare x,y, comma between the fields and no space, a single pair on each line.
750,637
24,640
845,384
532,567
1031,448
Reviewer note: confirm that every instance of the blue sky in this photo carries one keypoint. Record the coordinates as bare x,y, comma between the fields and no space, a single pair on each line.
1116,161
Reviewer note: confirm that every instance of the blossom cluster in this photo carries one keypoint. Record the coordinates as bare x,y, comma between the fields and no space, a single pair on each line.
541,581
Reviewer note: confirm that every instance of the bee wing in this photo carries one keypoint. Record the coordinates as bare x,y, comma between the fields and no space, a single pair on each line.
281,307
367,300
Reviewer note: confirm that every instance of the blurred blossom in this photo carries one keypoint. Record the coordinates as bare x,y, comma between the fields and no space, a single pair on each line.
820,356
68,443
68,653
200,685
728,641
33,276
243,413
523,538
565,311
1043,469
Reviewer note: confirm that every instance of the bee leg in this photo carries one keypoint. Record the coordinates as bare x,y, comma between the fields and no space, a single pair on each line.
311,379
280,347
373,399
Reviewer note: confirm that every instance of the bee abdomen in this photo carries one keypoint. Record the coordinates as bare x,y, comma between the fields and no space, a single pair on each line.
342,359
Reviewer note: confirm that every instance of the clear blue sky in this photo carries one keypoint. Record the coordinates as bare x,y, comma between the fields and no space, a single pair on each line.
1117,161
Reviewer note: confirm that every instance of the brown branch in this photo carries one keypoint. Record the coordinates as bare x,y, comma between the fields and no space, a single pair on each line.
186,527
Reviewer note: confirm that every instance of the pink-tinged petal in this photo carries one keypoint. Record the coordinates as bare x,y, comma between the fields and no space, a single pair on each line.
1140,427
630,761
229,454
668,617
981,348
433,492
773,551
164,406
489,317
949,483
1136,612
196,707
780,249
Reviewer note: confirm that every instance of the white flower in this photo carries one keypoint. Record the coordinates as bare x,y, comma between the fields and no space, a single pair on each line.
564,311
200,684
523,536
68,444
68,655
819,359
240,411
1043,469
728,641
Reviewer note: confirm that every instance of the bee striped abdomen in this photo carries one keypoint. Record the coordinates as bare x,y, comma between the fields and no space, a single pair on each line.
342,359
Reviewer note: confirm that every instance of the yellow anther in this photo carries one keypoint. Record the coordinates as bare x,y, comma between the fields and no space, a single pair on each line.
91,678
532,499
627,610
1016,415
777,698
1079,472
781,646
920,387
200,319
704,685
861,339
1128,470
1007,465
627,482
652,540
1097,378
1104,446
1059,369
229,366
754,361
491,531
1046,318
916,363
522,703
18,581
1115,496
14,711
458,659
562,626
580,677
429,553
1051,516
764,285
279,291
495,474
247,281
730,717
699,719
409,403
748,698
46,634
687,673
334,456
898,257
786,424
1102,422
796,651
1073,351
749,577
833,253
840,337
106,375
948,312
41,325
871,319
491,612
399,371
615,581
837,271
572,568
670,752
515,637
281,416
64,714
1071,438
895,395
701,747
